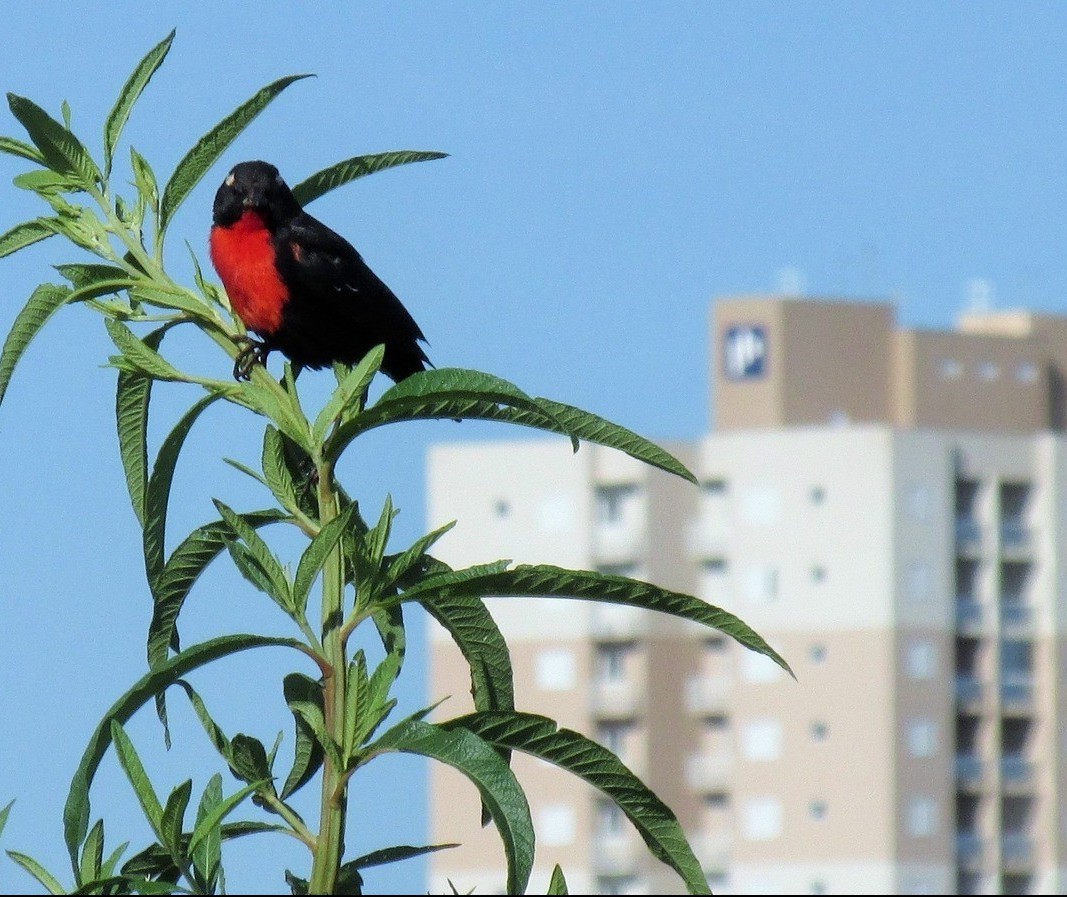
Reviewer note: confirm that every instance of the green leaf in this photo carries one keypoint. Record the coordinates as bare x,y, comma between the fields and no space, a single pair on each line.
133,395
399,565
207,858
308,754
394,855
423,395
547,581
350,394
83,275
135,772
4,814
500,790
378,536
141,357
47,183
250,760
341,173
46,878
76,810
14,147
212,145
44,302
173,820
315,556
305,699
255,559
276,473
129,94
268,403
62,151
557,884
157,492
540,737
92,854
23,235
210,823
356,686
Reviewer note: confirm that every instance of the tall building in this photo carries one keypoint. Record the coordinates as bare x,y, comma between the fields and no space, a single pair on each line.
887,507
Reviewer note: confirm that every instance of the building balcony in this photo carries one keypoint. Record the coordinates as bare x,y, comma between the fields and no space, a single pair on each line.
968,535
1016,538
970,849
618,622
706,773
618,543
616,698
1017,852
969,770
617,853
1016,617
712,849
970,615
1017,774
1017,694
708,695
969,691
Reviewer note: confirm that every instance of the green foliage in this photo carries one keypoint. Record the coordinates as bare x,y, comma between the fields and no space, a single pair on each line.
118,271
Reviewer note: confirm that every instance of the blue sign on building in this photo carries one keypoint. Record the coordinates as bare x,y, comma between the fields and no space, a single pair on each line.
744,352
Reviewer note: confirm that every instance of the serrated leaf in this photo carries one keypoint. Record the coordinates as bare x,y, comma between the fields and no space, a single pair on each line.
44,302
557,884
394,855
276,474
249,759
141,356
92,854
133,394
62,151
500,790
129,94
540,737
315,555
14,147
400,564
157,492
356,683
268,403
207,858
308,753
48,184
255,559
83,274
548,581
23,235
175,300
212,145
206,826
377,537
348,398
173,819
46,878
341,173
305,699
77,808
138,778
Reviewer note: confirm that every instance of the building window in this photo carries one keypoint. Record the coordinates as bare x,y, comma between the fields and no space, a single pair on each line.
556,670
613,501
818,573
502,508
761,584
761,819
713,488
917,577
819,731
817,653
922,817
921,659
918,502
613,736
922,738
609,818
611,661
989,371
817,810
818,495
1026,372
761,739
949,369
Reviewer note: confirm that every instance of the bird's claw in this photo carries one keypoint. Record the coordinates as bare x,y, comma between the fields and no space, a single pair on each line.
254,352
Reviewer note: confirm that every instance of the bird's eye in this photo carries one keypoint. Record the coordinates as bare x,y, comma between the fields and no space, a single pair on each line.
229,179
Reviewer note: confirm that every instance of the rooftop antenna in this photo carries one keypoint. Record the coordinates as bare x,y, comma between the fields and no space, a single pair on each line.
979,296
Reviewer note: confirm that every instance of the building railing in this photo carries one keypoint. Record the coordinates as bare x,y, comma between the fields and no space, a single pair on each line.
1015,535
968,532
969,849
969,768
969,689
1016,770
1017,690
1016,614
969,613
1016,851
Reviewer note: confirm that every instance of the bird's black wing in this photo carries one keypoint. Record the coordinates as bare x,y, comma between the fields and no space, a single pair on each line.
339,308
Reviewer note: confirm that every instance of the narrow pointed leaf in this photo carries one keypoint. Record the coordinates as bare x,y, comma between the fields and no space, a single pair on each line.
394,855
140,356
17,148
76,810
92,854
212,145
173,819
135,772
207,857
157,492
84,274
547,581
210,823
305,699
45,301
557,884
341,173
46,878
400,564
255,559
540,737
355,702
23,235
133,394
250,759
129,94
62,151
4,813
313,558
276,474
349,395
500,790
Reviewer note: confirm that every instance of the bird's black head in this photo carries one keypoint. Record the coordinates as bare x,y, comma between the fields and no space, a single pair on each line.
256,186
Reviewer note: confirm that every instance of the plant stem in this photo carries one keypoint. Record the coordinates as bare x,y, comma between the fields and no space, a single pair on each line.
330,846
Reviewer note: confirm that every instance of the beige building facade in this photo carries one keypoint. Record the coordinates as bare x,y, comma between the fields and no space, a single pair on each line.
887,507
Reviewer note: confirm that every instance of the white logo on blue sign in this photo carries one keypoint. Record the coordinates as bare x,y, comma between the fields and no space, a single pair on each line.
744,352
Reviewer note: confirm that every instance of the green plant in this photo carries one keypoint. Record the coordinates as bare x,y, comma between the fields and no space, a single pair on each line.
338,713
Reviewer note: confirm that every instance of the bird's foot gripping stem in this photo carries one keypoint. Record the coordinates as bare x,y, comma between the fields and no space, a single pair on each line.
253,352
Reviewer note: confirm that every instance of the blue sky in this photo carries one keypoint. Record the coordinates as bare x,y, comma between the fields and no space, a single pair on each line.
613,168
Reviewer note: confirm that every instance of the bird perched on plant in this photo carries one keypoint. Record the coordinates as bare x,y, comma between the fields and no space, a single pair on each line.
303,289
